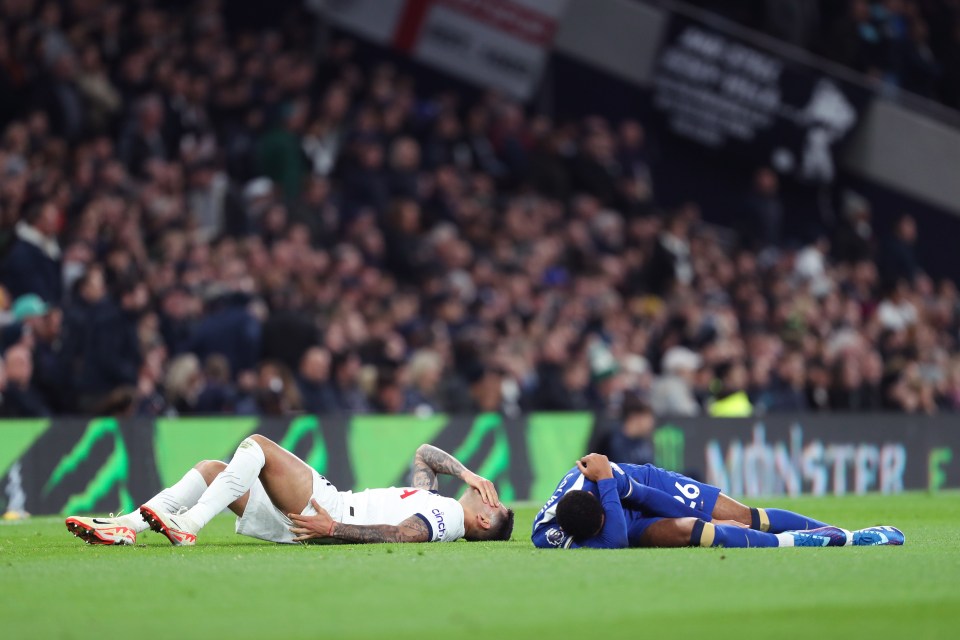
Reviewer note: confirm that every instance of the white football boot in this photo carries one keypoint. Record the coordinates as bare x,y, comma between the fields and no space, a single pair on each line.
101,530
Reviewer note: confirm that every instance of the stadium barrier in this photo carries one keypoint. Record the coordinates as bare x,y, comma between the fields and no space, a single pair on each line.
105,464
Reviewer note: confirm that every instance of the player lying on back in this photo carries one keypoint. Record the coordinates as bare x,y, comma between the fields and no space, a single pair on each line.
279,498
607,505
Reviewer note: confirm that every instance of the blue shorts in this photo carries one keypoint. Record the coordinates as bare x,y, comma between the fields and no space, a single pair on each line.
696,495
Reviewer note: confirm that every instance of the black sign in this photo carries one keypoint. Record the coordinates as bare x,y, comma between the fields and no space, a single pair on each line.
733,96
817,455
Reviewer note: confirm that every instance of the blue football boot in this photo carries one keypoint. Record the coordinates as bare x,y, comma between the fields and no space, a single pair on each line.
874,536
822,537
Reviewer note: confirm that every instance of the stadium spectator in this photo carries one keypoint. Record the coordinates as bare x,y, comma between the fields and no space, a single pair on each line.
730,399
101,350
183,383
672,393
230,329
898,258
314,381
149,399
345,378
426,374
896,312
631,441
33,262
279,155
20,399
274,392
853,239
39,328
144,139
787,392
763,212
218,394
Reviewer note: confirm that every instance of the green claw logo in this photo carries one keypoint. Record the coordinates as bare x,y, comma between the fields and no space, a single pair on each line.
113,473
496,466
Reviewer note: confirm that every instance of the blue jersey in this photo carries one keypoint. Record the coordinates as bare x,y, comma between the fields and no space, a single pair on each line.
646,494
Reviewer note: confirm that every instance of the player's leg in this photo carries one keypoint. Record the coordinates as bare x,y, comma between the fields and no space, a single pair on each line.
210,469
287,480
693,532
768,520
124,529
779,521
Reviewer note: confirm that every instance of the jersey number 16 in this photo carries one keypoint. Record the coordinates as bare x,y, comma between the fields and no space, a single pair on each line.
690,491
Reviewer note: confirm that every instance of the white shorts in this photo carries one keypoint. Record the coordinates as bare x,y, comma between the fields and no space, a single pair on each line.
262,519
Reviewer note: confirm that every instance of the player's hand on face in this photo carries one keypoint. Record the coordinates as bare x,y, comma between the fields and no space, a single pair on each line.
488,492
595,467
310,527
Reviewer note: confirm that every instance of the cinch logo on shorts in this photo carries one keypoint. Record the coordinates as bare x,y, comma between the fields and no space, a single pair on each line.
441,528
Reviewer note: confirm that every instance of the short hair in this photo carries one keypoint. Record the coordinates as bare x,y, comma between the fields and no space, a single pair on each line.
632,405
580,514
500,529
503,529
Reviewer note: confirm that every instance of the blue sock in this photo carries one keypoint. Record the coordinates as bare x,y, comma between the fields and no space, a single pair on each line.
780,520
707,534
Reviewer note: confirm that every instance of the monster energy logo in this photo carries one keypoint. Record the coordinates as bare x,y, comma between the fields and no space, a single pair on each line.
112,474
668,445
308,427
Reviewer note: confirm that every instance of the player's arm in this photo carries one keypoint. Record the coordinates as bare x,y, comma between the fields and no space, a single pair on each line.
413,529
430,461
321,525
613,535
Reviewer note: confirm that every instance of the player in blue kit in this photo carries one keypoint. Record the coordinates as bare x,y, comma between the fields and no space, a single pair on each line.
607,505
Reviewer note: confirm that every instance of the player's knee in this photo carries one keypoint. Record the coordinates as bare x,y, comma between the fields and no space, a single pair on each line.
671,532
684,529
742,514
210,469
262,441
729,509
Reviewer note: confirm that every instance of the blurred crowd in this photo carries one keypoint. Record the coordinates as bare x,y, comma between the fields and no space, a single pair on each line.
902,44
201,220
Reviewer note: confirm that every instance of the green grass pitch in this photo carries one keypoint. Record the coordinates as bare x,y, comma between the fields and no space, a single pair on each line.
54,586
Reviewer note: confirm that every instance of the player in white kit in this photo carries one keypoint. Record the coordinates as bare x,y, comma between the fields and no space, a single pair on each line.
280,498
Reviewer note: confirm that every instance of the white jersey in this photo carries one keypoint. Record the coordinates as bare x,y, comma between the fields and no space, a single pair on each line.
443,516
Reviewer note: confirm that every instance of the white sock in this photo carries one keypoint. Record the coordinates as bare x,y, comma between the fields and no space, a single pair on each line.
233,482
184,493
133,521
786,539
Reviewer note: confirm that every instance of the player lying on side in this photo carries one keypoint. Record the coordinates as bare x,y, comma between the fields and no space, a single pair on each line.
606,505
279,498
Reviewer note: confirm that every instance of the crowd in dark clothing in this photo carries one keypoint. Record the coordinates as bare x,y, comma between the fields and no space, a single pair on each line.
912,45
205,220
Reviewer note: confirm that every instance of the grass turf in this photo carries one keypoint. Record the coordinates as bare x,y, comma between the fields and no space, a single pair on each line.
53,585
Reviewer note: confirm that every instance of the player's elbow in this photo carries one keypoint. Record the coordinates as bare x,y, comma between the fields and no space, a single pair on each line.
422,450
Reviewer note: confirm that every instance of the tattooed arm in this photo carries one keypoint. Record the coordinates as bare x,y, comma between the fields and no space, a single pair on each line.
428,462
322,526
431,461
413,529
